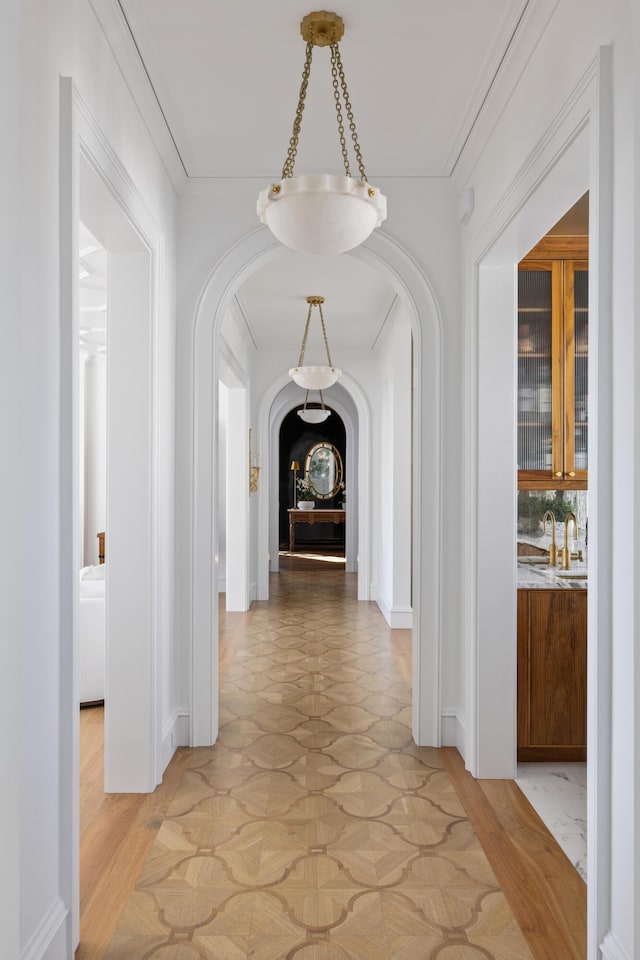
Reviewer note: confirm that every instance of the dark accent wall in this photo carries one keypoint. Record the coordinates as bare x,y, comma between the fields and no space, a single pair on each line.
296,438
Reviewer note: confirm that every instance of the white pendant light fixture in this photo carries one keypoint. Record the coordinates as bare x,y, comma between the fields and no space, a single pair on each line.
322,213
314,414
314,377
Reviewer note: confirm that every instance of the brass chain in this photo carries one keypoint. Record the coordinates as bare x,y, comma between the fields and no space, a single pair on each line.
303,346
339,83
324,334
305,336
336,97
287,169
347,104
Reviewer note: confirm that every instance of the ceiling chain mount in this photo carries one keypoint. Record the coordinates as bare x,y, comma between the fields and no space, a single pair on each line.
322,28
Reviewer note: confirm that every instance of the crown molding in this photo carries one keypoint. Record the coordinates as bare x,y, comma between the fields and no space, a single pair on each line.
530,27
116,30
503,40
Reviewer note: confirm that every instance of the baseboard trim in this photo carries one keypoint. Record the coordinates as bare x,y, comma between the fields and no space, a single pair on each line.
398,618
611,949
222,585
401,618
175,733
48,941
453,731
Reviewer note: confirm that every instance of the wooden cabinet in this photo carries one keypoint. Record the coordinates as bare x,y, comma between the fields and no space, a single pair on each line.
553,318
552,675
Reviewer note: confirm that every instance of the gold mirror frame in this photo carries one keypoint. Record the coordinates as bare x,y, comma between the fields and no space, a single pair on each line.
310,469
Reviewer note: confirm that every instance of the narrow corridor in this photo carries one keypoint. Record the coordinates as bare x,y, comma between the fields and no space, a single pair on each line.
315,828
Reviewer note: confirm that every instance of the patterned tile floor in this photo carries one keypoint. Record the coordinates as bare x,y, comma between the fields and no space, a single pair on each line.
315,829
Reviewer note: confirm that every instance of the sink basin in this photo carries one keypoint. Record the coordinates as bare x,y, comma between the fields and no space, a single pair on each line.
533,560
573,574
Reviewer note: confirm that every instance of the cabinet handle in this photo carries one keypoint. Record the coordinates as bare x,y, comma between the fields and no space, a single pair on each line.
558,474
571,473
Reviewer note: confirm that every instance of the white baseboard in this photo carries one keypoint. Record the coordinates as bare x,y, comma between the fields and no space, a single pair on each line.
398,618
49,940
222,585
253,593
175,733
401,618
452,731
611,949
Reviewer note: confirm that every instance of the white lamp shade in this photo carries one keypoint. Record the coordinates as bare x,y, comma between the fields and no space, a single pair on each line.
314,415
314,378
320,213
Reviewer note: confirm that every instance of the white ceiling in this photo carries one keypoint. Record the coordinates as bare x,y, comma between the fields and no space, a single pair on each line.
226,77
273,303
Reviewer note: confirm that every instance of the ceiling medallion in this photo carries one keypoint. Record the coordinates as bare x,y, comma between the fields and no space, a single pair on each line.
323,213
314,377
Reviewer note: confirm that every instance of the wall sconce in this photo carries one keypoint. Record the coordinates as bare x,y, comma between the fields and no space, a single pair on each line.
254,470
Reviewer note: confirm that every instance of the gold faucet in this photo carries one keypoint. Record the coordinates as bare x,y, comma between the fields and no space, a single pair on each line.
565,553
553,549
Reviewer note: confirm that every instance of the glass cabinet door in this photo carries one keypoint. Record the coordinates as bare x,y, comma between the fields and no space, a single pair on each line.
579,388
538,304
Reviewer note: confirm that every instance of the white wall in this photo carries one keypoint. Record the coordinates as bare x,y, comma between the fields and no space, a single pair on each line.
14,553
392,518
63,39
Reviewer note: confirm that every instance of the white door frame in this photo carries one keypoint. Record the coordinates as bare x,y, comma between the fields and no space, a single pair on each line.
574,156
81,137
412,285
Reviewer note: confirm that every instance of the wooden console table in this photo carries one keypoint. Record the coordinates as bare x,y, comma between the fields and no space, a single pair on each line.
311,516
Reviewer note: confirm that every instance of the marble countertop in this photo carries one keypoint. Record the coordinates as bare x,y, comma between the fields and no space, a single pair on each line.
533,575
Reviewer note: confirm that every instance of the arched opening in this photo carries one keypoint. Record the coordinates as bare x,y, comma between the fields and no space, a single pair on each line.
296,440
413,289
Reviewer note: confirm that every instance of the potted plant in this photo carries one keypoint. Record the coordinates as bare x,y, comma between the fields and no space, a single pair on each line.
306,494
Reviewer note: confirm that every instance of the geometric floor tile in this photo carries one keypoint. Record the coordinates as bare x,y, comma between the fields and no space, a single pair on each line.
315,829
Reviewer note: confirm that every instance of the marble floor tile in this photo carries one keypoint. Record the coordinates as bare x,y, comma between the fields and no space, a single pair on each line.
558,794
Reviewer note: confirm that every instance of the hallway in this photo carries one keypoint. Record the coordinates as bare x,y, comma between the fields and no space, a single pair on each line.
316,829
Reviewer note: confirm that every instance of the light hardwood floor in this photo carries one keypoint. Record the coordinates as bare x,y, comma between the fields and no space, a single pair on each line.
315,826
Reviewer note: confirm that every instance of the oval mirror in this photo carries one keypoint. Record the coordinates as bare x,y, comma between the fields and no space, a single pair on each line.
323,469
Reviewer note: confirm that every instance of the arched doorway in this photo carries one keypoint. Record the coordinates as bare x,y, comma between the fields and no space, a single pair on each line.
413,288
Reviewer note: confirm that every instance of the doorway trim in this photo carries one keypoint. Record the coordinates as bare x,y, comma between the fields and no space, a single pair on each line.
411,283
82,138
574,156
